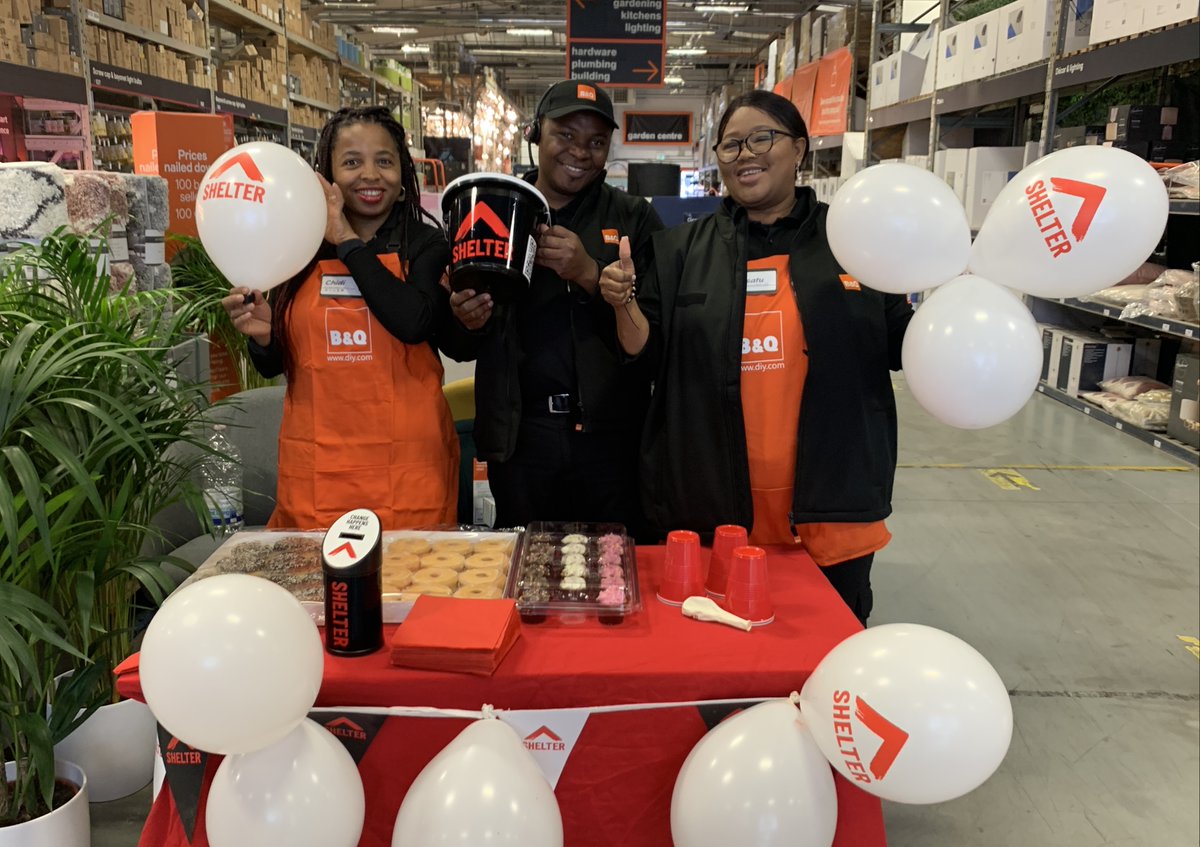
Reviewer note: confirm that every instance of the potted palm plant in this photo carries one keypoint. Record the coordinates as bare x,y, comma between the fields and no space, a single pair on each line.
91,414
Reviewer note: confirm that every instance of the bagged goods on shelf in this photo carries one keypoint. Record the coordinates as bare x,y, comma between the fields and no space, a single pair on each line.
1120,295
1183,181
35,202
1150,415
1129,387
1171,295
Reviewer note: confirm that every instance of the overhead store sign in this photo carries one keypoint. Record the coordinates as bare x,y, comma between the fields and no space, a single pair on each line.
831,96
617,43
672,128
134,82
249,109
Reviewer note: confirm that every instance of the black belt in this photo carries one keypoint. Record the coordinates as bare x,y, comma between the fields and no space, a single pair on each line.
553,405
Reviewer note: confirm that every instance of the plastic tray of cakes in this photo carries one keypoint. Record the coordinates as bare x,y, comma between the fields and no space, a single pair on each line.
448,563
574,572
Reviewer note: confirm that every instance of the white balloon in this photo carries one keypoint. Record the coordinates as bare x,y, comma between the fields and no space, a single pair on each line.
898,228
303,791
1072,223
755,780
909,713
482,788
972,354
260,213
231,663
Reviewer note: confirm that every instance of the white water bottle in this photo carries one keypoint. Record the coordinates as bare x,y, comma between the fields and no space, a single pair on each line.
221,480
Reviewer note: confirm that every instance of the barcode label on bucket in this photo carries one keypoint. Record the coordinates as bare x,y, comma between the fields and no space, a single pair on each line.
530,253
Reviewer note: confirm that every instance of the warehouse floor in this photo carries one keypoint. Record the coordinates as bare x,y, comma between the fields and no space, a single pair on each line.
1079,587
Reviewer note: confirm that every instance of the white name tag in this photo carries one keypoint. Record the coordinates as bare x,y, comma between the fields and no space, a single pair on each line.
760,282
339,286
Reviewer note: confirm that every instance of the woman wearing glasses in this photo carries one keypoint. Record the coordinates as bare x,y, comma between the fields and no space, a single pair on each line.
773,404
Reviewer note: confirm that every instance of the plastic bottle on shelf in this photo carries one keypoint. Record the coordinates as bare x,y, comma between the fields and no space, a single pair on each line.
221,481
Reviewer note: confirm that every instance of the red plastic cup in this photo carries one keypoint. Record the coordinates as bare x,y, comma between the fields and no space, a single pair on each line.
747,592
726,539
683,570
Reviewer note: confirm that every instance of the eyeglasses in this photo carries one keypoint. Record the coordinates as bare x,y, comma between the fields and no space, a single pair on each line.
757,143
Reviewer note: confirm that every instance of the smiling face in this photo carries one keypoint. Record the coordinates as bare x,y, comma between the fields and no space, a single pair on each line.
366,166
764,183
571,154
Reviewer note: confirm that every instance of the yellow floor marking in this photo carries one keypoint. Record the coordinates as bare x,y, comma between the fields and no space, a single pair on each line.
1140,468
1193,644
1008,479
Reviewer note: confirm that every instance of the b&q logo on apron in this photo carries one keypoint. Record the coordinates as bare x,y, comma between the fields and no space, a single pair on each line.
891,737
1049,222
252,191
467,247
762,344
348,334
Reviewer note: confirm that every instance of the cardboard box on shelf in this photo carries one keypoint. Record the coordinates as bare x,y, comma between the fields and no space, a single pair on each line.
804,53
1160,13
951,166
1113,19
1052,337
980,62
1184,420
816,44
952,54
904,74
989,169
1077,136
1086,359
1024,34
879,89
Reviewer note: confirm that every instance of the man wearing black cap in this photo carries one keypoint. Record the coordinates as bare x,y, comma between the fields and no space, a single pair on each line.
558,408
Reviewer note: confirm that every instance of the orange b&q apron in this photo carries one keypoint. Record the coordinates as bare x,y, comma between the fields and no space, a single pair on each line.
774,367
365,423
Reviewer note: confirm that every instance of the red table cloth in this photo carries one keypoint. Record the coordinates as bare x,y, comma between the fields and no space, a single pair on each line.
616,786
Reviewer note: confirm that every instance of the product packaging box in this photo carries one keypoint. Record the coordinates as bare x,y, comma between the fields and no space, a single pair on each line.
954,170
1160,13
1024,33
1184,422
1079,25
879,87
952,53
1052,337
1085,360
1077,136
904,74
1113,19
988,170
980,62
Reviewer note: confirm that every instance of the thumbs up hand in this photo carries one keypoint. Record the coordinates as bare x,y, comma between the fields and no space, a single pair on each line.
617,280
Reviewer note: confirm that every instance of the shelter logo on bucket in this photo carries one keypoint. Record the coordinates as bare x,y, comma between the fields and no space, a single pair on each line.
1048,220
232,189
468,247
892,738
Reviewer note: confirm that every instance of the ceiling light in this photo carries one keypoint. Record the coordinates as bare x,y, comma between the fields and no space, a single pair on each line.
674,80
687,29
514,50
687,51
395,30
730,9
541,32
415,48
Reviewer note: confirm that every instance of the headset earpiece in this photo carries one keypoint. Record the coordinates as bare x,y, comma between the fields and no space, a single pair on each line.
533,130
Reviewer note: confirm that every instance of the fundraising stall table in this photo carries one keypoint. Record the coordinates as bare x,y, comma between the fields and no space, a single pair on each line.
615,788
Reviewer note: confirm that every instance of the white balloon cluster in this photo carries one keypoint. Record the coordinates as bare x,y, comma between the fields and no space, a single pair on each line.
905,712
1069,224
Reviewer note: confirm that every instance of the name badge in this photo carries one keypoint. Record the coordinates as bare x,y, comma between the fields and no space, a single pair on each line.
760,282
339,286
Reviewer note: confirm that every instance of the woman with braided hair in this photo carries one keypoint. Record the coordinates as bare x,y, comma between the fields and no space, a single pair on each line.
365,423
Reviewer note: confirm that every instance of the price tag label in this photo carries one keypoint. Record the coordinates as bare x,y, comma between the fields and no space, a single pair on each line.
1120,425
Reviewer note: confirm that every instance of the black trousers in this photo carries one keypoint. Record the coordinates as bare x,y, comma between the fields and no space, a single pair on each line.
557,473
852,580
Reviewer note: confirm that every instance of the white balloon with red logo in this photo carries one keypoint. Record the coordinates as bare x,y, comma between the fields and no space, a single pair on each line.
972,353
260,213
482,788
303,791
909,713
898,228
757,779
1072,223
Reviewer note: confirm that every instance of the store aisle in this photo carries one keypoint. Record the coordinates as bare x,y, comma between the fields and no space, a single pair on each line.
1077,590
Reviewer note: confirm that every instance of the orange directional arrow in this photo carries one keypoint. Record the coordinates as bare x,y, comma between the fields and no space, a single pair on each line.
651,71
345,548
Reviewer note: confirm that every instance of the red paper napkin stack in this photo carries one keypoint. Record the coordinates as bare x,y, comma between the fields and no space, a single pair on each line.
452,634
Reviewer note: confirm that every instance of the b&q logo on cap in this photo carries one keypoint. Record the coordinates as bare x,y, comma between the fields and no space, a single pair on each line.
893,738
232,189
466,247
585,92
1047,219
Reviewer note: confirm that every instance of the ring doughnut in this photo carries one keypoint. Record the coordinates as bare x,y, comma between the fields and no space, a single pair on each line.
481,576
394,581
494,545
432,588
478,592
488,560
405,561
452,545
452,561
436,576
416,546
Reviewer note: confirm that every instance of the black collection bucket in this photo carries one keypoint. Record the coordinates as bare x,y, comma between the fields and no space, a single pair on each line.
492,220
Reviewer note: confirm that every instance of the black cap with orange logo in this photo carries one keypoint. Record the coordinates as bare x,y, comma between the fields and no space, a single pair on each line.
570,96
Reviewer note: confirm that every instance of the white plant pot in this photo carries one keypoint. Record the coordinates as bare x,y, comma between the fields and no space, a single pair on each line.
70,825
115,748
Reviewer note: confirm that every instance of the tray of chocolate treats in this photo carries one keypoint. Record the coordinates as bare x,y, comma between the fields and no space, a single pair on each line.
445,562
574,572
